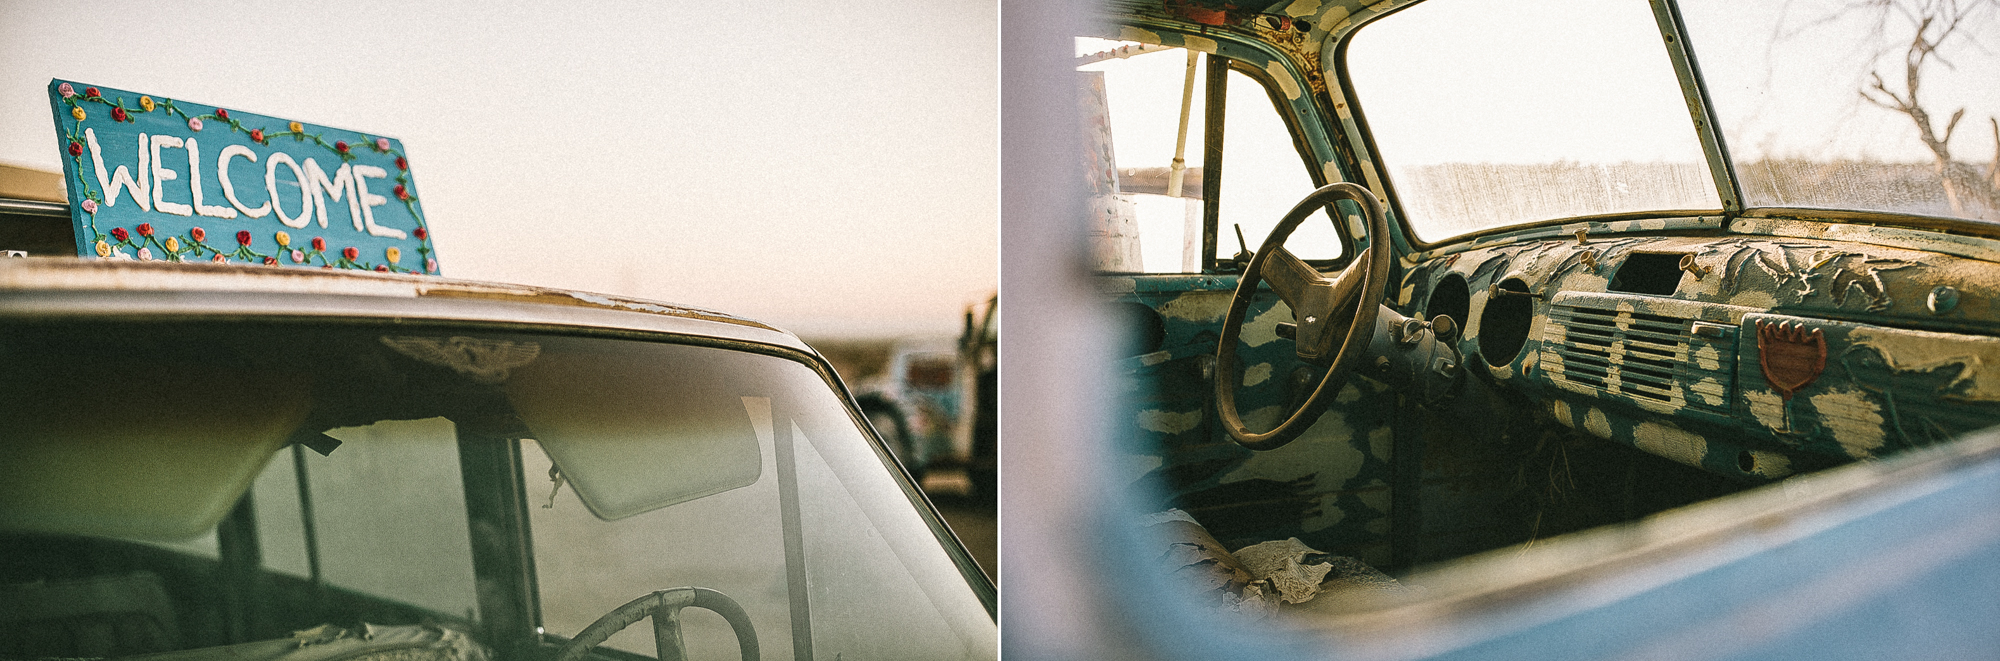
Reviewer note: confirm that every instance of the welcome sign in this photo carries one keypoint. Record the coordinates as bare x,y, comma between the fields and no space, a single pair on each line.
159,179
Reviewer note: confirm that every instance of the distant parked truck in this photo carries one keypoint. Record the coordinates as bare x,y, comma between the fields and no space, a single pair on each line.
926,402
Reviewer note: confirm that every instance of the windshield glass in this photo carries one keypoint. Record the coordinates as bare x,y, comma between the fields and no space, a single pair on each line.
1521,112
1886,105
235,482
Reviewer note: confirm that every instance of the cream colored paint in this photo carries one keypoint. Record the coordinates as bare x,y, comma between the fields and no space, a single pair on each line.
1711,391
1767,407
1330,171
1856,422
1257,374
1671,442
1595,423
1708,358
1169,422
1285,82
1263,329
1754,299
1129,33
1354,224
1300,8
1770,464
1203,44
1918,351
1202,307
1138,465
1381,442
1560,409
1324,452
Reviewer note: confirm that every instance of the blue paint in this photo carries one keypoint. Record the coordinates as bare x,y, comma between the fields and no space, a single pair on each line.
156,178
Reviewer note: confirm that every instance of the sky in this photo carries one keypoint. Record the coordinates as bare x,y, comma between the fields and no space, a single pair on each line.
830,168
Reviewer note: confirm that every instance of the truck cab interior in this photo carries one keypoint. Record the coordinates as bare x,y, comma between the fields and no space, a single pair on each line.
1416,281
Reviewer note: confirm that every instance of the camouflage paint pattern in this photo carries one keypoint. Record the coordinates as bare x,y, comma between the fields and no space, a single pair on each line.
1675,373
1330,488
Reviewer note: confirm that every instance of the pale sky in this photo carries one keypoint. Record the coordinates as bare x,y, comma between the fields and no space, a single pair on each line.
831,168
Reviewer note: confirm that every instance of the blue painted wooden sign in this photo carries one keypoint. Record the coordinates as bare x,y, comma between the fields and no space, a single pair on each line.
159,179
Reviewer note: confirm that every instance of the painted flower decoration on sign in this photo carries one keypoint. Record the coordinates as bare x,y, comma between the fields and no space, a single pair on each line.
158,241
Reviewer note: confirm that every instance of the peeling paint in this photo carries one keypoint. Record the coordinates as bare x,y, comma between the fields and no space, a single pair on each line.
1767,407
1770,464
1856,422
1203,44
1256,374
1595,423
1671,442
1129,33
1918,351
1301,8
1198,307
1168,422
1284,79
1708,358
1263,329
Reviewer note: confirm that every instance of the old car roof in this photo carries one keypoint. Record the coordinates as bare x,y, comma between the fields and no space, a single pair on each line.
39,287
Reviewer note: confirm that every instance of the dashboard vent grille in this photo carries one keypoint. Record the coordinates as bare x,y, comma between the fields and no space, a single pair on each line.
1648,357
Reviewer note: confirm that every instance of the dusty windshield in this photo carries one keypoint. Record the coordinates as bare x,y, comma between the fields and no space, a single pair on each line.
1887,105
234,482
1492,114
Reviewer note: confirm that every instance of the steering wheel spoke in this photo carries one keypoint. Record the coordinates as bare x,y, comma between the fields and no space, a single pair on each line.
1335,316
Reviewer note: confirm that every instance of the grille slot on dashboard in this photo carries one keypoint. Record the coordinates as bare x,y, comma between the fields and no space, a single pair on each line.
1647,357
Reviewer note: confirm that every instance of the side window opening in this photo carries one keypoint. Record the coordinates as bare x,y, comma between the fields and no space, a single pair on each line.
1146,118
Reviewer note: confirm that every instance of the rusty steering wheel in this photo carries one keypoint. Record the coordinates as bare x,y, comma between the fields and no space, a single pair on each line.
1333,318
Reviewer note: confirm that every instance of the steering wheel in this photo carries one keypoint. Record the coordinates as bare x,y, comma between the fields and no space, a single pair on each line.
1334,317
665,608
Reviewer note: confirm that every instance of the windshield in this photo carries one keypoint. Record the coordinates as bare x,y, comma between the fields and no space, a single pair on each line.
235,482
1523,112
1887,105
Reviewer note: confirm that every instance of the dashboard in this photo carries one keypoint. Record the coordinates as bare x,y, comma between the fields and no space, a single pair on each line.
1751,356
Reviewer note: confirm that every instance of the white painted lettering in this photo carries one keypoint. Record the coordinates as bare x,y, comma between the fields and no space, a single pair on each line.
362,173
229,187
305,190
161,173
140,189
342,184
194,185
